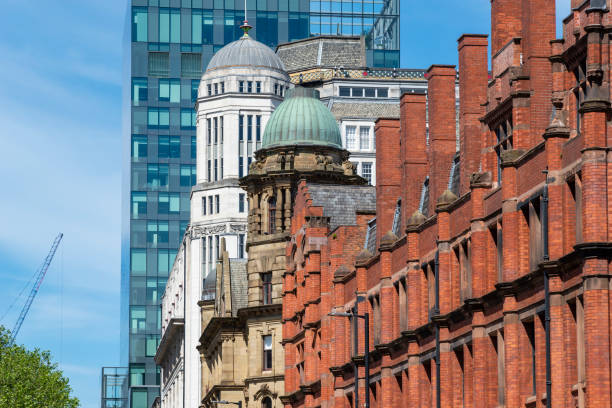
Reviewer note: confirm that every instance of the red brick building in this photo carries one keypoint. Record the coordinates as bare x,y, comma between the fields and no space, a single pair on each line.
486,271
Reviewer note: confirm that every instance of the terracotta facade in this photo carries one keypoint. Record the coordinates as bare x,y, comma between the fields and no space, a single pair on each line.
486,274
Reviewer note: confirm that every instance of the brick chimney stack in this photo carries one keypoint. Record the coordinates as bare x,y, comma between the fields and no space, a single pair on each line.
413,128
442,128
388,173
505,22
473,78
538,32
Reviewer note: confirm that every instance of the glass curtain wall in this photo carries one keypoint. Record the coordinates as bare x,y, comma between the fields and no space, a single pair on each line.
168,43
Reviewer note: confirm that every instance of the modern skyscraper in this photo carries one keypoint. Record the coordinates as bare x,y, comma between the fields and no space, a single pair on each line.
167,44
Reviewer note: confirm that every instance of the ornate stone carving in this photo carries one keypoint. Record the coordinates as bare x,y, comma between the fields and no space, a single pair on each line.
349,168
198,231
237,227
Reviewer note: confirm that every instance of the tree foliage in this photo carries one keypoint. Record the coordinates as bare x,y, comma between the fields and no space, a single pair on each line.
29,379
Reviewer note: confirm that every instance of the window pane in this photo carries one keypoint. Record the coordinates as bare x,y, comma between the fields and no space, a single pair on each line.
194,90
196,26
364,137
366,172
163,203
175,26
139,398
193,147
153,118
164,89
139,91
139,146
163,146
163,262
175,90
164,118
164,26
137,319
139,204
139,262
345,91
139,24
175,147
152,342
185,118
152,295
174,205
351,142
267,342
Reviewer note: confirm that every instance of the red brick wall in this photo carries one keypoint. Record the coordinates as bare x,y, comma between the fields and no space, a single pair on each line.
413,114
473,78
442,128
487,343
388,173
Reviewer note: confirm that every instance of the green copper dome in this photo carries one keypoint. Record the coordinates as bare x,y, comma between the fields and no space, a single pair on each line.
302,120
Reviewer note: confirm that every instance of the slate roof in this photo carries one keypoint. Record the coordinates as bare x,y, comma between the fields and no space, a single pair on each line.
341,202
322,51
209,288
424,202
370,239
365,110
239,283
453,179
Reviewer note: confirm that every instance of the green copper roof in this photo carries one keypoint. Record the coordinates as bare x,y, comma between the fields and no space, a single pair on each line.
302,120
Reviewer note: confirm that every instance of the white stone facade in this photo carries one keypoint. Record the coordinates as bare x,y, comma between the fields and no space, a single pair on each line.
230,128
233,107
377,98
171,351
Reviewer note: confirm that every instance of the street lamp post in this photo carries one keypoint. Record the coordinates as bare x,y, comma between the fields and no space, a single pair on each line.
366,320
238,404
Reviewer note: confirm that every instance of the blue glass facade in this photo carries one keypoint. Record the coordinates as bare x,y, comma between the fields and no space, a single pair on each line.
167,45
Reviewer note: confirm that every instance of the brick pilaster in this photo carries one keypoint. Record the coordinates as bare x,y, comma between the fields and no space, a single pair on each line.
505,22
388,173
442,128
413,113
511,353
473,78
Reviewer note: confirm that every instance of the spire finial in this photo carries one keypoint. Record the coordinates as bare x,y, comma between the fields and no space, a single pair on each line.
245,24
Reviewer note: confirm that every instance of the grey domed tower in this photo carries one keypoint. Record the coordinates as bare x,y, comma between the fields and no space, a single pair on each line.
242,85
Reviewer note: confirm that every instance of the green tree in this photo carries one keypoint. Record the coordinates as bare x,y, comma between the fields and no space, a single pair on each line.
29,379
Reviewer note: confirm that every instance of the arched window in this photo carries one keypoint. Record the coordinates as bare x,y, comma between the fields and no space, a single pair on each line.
272,215
266,403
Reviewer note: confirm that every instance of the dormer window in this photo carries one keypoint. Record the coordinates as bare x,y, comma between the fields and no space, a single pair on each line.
397,218
579,91
503,134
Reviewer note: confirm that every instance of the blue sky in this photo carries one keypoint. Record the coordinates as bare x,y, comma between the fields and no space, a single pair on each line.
60,120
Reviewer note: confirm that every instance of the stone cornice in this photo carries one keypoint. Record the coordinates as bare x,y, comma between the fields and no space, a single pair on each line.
175,326
272,311
516,157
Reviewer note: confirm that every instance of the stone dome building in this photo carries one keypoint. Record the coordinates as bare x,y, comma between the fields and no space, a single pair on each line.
242,85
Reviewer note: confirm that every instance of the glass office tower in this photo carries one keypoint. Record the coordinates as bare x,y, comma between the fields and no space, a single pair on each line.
167,44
